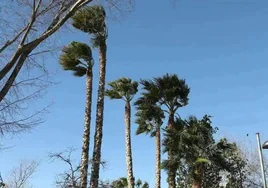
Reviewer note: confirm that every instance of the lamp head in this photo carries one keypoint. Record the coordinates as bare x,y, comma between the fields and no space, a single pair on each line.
265,145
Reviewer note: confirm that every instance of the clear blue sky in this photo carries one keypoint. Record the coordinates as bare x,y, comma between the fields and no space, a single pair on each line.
219,46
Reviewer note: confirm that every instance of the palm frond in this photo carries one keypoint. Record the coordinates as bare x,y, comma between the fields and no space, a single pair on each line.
123,88
79,71
90,19
200,160
149,118
76,57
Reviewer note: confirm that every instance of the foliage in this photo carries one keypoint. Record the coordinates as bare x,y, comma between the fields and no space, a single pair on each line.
123,88
168,91
149,118
200,158
122,183
91,20
76,57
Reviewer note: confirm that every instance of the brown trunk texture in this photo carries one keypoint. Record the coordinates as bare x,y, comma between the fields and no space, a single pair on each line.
130,177
158,158
94,179
86,134
172,170
196,185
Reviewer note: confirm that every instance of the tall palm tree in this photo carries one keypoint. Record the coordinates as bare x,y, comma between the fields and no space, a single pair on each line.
125,89
92,20
170,93
77,57
149,120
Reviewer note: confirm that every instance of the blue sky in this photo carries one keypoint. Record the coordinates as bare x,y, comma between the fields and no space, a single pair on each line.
219,46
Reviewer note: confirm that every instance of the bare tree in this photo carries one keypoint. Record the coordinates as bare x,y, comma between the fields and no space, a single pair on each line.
33,32
249,152
19,177
25,27
254,175
2,184
70,178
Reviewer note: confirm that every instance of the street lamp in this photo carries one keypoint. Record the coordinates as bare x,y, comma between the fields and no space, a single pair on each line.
264,146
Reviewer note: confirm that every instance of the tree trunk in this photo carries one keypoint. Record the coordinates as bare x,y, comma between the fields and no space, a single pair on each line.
25,50
171,175
130,177
196,185
94,179
172,171
13,75
86,134
198,176
9,65
158,158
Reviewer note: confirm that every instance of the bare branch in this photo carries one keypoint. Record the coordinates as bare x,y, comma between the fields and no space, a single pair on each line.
9,42
69,178
22,124
20,176
67,11
32,20
2,184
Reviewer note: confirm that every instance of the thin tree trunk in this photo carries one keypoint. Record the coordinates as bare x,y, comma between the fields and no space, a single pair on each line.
13,76
171,174
198,176
130,177
94,179
172,171
196,185
9,65
158,158
86,134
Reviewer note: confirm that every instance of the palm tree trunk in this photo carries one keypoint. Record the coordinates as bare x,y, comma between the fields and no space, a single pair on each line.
172,171
158,158
130,177
86,134
94,179
196,185
198,176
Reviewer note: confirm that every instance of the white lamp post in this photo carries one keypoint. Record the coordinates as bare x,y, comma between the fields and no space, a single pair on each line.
264,146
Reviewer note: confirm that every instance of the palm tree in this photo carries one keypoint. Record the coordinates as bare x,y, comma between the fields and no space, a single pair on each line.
125,89
77,57
149,120
92,20
170,93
